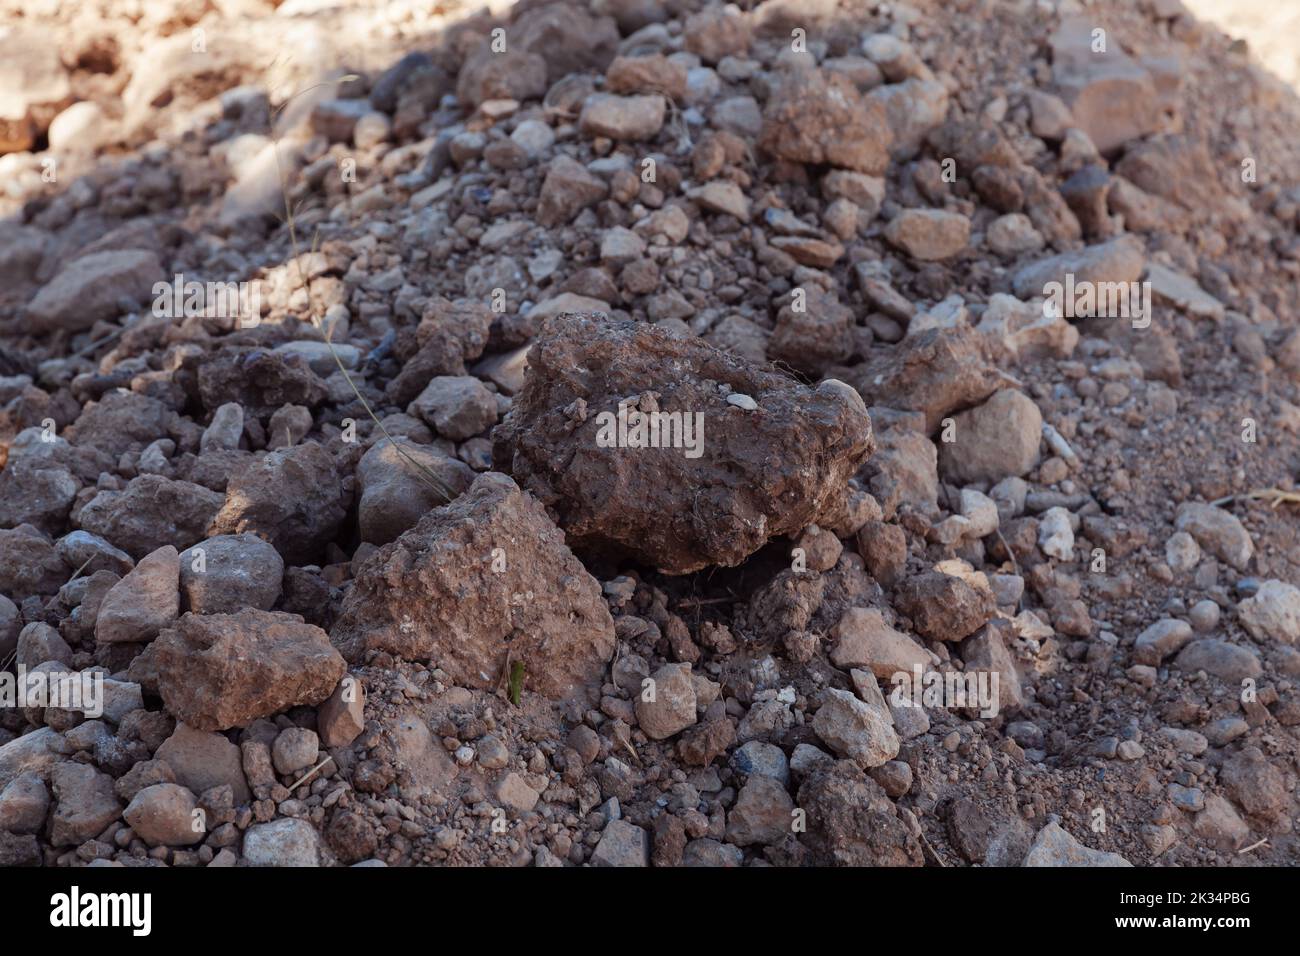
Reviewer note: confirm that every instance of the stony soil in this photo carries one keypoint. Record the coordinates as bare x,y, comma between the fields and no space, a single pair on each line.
368,574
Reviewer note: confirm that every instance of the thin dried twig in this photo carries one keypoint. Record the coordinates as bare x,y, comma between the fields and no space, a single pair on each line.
309,774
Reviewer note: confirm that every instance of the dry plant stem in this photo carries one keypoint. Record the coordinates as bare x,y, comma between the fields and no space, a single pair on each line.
1277,496
429,478
309,774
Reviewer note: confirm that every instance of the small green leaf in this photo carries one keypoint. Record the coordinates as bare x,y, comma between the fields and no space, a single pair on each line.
516,681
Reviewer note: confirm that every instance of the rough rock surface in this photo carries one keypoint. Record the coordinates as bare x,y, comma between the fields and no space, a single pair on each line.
617,499
816,117
150,513
478,582
140,605
225,670
294,498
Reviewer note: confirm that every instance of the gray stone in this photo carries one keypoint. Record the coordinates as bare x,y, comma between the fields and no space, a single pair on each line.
622,844
1055,847
227,573
855,730
285,842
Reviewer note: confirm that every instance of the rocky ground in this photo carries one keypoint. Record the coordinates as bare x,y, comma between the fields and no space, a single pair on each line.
370,578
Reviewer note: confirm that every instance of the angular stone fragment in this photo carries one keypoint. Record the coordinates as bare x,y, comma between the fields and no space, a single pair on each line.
716,32
1109,264
1161,639
33,493
628,118
484,579
936,372
163,815
1272,612
510,74
856,730
863,639
647,74
150,513
569,38
340,720
813,337
986,651
816,117
201,760
912,108
24,804
1218,531
671,706
852,822
944,607
622,844
762,815
84,803
259,380
226,670
35,752
294,498
567,190
29,563
284,842
1110,97
929,234
754,473
137,607
457,406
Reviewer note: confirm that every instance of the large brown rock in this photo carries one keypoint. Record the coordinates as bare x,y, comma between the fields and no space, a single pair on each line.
119,422
1111,97
944,607
199,761
992,441
482,579
513,74
817,117
84,803
771,461
226,670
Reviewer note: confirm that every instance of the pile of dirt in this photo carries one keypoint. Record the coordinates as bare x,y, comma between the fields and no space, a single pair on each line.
647,433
